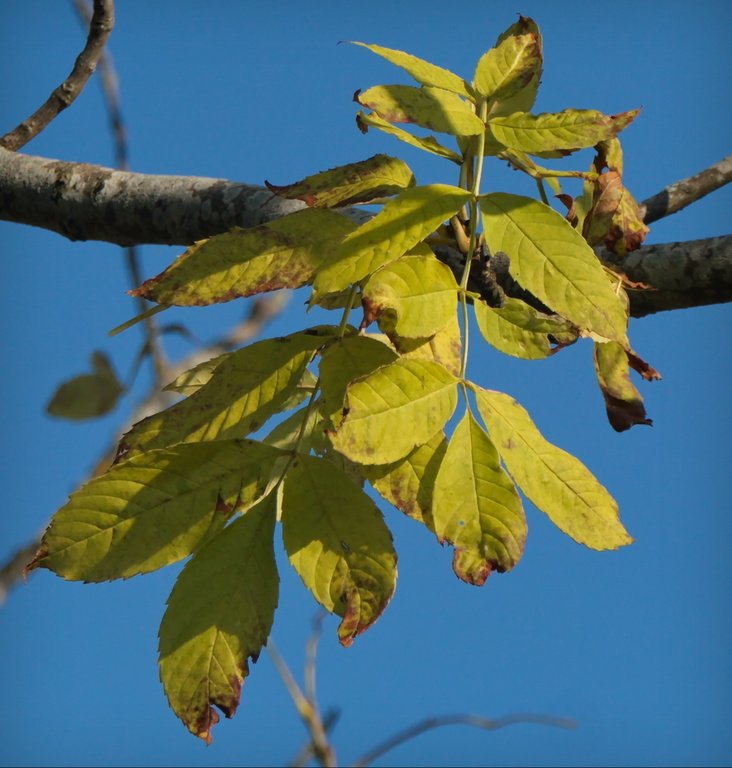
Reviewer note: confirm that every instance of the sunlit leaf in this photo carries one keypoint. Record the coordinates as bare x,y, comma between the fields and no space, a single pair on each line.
444,347
552,261
304,427
607,192
414,297
520,330
476,507
192,380
556,482
504,71
628,230
361,182
427,143
154,509
244,390
393,410
284,253
398,227
432,108
337,542
623,402
89,395
522,101
219,616
422,71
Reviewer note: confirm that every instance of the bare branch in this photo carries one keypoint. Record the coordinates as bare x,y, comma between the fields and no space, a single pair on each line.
686,191
62,96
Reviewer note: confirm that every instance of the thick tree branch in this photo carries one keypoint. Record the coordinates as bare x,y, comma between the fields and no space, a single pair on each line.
62,96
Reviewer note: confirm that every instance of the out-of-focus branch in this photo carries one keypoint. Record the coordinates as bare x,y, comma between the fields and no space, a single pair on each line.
687,191
62,96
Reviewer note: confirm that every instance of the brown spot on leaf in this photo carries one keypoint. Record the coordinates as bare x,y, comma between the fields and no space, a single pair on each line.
476,577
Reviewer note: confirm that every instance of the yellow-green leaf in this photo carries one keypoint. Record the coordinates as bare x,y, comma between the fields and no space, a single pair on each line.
305,427
395,409
337,542
556,131
520,330
360,182
408,484
475,506
219,616
427,143
398,227
89,395
281,254
623,402
556,482
422,71
504,71
522,101
552,261
444,347
193,379
154,509
433,108
414,297
244,390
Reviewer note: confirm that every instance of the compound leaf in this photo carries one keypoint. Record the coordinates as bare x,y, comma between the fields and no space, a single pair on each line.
337,542
476,507
154,509
551,260
219,615
393,410
556,482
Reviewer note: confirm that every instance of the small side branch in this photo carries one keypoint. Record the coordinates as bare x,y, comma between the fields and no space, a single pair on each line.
62,96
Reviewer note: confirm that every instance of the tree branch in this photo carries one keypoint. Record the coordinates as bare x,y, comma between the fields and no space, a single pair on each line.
62,96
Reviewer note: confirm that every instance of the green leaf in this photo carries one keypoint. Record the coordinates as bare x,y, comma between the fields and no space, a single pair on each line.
408,484
219,616
556,482
154,509
504,71
398,227
623,402
552,261
281,254
395,409
361,182
476,507
89,395
193,379
306,423
414,297
427,143
520,330
344,361
432,108
422,71
337,542
563,131
444,347
248,387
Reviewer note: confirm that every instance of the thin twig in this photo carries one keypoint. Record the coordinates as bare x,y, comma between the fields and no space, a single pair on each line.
687,191
62,96
430,723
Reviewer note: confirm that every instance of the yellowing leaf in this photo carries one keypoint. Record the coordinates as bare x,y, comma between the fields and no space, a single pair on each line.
408,484
361,182
444,347
393,410
622,400
427,143
337,542
305,425
556,482
563,131
597,221
520,330
476,507
422,71
154,509
628,230
552,261
192,380
219,615
281,254
414,297
398,227
244,390
432,108
522,101
504,71
89,395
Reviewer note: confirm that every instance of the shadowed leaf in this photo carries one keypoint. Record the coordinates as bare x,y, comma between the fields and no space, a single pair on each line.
622,400
89,395
444,347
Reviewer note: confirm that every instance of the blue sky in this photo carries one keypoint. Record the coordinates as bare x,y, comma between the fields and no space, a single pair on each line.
634,645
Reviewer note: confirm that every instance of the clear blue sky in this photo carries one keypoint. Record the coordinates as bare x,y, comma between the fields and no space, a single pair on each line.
634,645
